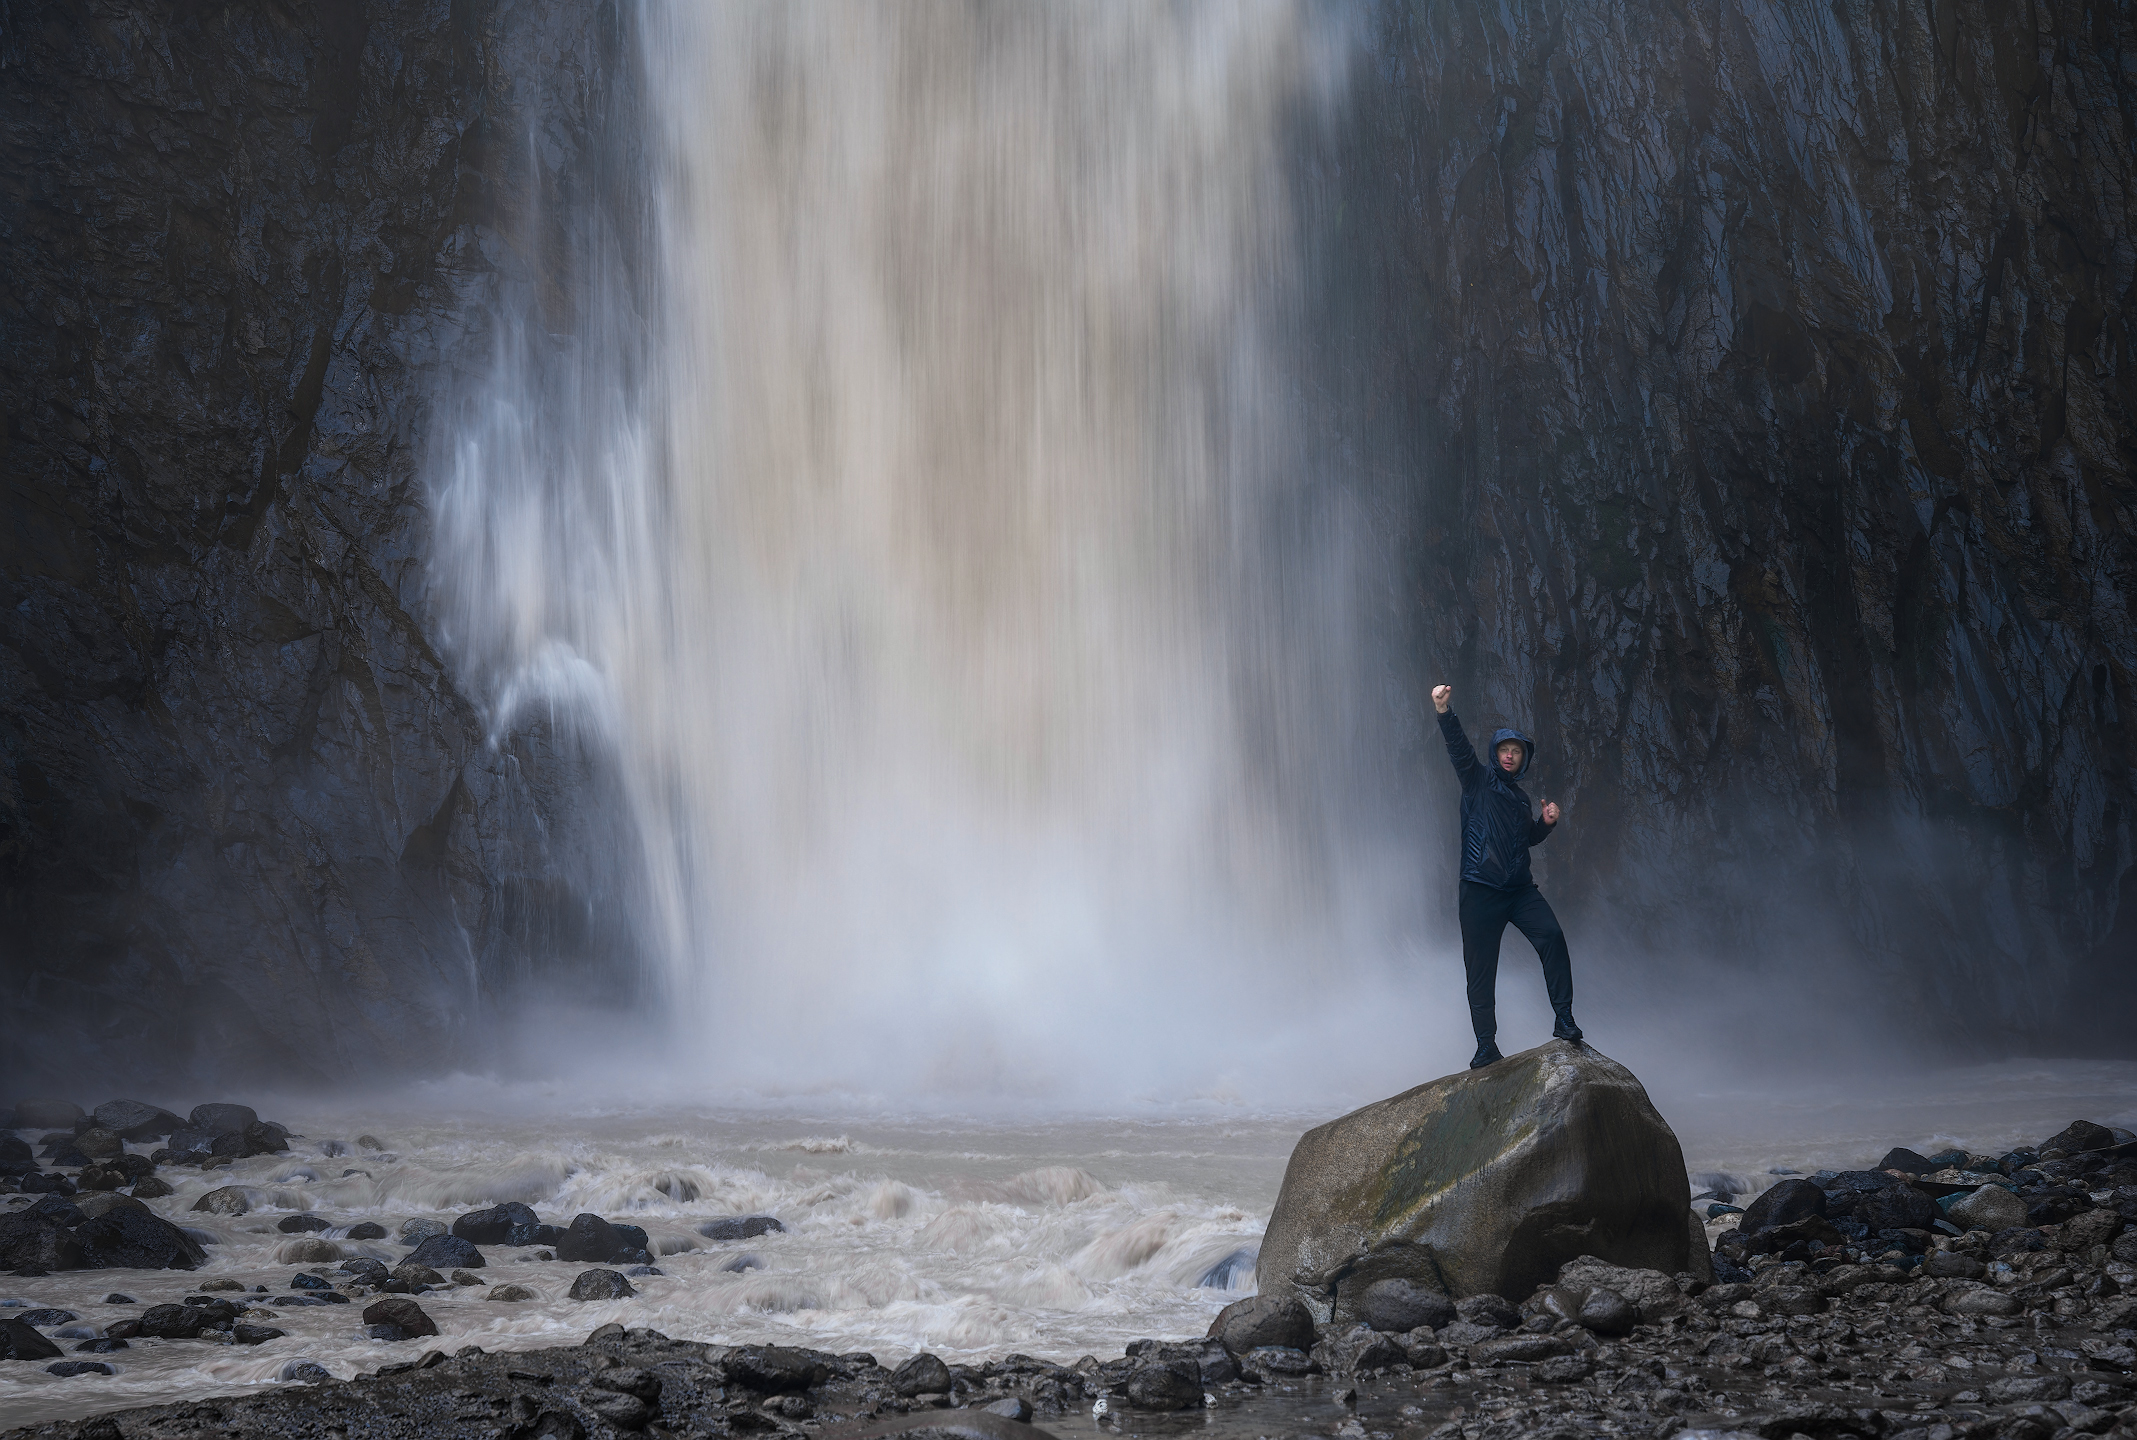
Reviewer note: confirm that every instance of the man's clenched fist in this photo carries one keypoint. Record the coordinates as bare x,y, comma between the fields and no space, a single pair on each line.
1442,697
1550,812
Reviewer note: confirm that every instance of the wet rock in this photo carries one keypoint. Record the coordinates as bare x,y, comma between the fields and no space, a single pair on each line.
1907,1161
2078,1137
740,1227
1494,1312
1991,1208
45,1317
1511,1348
447,1252
625,1412
402,1313
1606,1312
415,1232
99,1144
2081,1232
1167,1385
184,1322
1950,1265
1981,1302
226,1200
46,1184
148,1187
922,1374
1013,1407
1896,1207
107,1346
1269,1361
495,1225
308,1251
410,1273
130,1237
387,1332
46,1114
262,1138
782,1369
98,1178
66,1369
1783,1202
1359,1349
36,1243
367,1230
1466,1184
365,1266
1563,1370
1653,1295
511,1293
303,1372
222,1119
1264,1320
302,1224
1399,1305
369,1142
1792,1300
601,1285
591,1238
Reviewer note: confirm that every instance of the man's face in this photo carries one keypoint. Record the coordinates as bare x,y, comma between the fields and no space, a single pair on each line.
1509,755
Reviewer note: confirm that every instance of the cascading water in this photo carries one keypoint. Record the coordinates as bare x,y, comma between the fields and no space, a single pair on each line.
905,535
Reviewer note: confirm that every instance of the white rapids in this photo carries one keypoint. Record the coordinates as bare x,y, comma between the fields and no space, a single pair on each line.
971,1235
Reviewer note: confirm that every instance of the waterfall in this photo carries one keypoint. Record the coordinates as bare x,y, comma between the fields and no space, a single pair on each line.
905,526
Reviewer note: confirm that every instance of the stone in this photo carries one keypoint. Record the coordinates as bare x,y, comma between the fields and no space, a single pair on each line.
1399,1305
494,1226
262,1138
46,1114
1357,1350
922,1374
302,1224
183,1322
67,1368
227,1200
367,1230
88,1207
47,1184
601,1285
415,1232
1907,1161
1263,1320
129,1236
31,1242
1010,1407
1792,1300
1606,1312
1781,1203
591,1238
1990,1208
300,1372
1951,1265
369,1142
1493,1311
148,1187
1508,1349
1981,1301
624,1412
740,1227
1896,1207
1653,1295
784,1369
99,1144
1563,1370
511,1293
218,1119
1166,1385
308,1251
410,1273
45,1317
1423,1350
446,1252
401,1312
2028,1389
2081,1232
1481,1182
1272,1360
2078,1137
135,1120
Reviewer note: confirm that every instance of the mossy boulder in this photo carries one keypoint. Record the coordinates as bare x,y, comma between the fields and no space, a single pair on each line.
1484,1182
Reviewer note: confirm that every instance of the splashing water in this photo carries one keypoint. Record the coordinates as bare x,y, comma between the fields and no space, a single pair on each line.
905,538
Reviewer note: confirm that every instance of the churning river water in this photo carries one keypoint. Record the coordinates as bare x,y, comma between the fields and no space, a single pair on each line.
969,1235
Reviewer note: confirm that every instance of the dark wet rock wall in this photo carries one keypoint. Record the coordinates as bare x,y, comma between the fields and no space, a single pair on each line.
1747,392
248,821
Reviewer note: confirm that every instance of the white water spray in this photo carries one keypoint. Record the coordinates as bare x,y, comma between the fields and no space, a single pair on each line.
909,546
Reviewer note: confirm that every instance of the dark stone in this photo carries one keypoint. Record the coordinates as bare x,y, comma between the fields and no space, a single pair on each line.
367,1230
1896,1207
589,1238
126,1238
177,1322
1607,1313
305,1280
495,1225
1271,1360
106,1346
188,1143
624,1412
1264,1321
1782,1203
1357,1350
115,1298
47,1184
739,1227
1518,1348
33,1241
1465,1185
1399,1305
221,1119
1908,1162
535,1235
630,1380
776,1369
446,1252
2078,1137
265,1138
98,1144
1166,1385
45,1317
305,1225
136,1120
385,1331
923,1374
401,1312
67,1368
601,1285
1494,1311
19,1342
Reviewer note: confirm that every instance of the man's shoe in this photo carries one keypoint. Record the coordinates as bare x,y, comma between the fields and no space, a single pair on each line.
1565,1029
1486,1053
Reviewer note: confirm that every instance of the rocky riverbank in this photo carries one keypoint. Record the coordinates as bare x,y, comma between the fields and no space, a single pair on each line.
1822,1322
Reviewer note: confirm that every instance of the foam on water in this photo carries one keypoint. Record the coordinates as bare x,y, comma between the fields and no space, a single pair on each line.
966,1235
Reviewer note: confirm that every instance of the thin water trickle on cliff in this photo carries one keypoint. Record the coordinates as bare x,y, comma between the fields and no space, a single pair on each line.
903,529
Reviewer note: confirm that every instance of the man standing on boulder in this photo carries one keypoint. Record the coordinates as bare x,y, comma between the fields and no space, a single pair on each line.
1496,886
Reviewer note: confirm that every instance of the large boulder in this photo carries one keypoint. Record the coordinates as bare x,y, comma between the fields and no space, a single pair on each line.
130,1237
495,1225
1248,1325
445,1252
1484,1182
136,1120
37,1242
222,1119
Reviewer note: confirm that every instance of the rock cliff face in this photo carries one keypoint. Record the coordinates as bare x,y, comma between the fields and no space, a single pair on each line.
1748,392
247,821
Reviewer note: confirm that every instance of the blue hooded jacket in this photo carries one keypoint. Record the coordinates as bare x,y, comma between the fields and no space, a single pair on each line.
1497,830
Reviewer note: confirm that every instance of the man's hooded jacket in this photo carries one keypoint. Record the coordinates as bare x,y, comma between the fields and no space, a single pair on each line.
1497,830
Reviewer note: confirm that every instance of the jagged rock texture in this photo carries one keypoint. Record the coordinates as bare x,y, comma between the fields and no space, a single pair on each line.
247,821
1748,392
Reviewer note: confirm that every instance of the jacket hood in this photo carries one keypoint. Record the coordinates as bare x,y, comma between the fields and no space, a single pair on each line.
1528,751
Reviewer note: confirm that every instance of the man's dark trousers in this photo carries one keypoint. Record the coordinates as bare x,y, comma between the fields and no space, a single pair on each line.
1486,912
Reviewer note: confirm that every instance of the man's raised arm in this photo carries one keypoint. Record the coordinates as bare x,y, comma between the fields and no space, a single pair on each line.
1458,751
